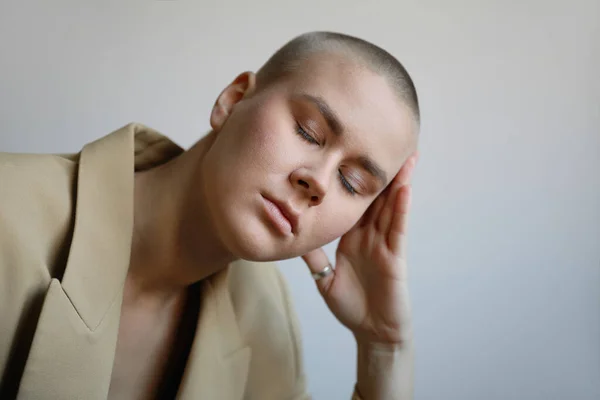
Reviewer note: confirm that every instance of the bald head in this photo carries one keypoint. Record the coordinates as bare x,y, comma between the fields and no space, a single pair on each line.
293,54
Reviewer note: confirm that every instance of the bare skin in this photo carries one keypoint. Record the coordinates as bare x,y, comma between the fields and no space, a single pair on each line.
201,211
147,333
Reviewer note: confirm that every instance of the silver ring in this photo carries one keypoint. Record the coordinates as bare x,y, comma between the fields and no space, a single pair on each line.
322,274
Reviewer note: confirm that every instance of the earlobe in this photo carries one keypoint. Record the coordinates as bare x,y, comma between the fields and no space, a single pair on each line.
242,87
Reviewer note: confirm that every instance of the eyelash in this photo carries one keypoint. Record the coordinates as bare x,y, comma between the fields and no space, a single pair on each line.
302,133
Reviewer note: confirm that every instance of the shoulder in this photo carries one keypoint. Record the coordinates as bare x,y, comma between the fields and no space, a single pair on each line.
257,282
266,317
31,181
36,209
36,203
260,294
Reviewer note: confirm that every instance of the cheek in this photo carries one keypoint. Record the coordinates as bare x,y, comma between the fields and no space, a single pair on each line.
332,223
248,141
254,150
266,133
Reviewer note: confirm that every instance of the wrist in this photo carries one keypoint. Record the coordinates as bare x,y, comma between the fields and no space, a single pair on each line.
385,370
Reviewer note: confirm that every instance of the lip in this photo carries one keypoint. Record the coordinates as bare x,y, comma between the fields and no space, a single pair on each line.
282,214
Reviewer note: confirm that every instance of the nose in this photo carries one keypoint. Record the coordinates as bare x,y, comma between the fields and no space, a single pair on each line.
312,183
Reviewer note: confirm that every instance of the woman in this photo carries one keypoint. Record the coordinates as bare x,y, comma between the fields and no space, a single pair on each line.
160,283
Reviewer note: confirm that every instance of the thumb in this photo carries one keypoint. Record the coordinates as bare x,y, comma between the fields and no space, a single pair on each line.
317,260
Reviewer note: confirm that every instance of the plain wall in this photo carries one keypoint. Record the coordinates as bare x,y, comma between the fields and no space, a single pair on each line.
505,229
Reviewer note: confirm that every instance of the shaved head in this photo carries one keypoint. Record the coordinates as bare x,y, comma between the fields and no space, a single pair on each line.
289,58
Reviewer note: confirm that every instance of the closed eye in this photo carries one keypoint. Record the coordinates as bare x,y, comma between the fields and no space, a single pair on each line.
305,136
300,130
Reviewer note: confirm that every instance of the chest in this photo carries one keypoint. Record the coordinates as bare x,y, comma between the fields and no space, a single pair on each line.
149,348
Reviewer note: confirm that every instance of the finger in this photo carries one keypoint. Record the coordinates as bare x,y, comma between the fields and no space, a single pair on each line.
403,176
317,260
396,236
374,209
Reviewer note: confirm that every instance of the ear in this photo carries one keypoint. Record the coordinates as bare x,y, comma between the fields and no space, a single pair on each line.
242,86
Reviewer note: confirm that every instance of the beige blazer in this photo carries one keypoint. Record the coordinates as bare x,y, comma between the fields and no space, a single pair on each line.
65,236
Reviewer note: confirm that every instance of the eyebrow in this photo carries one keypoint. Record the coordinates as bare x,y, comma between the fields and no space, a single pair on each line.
336,126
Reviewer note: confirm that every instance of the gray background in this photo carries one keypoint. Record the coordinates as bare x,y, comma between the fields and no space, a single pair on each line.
505,229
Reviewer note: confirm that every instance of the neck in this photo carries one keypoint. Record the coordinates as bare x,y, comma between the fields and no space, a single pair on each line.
174,243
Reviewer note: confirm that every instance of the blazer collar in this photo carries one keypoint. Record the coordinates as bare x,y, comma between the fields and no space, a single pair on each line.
100,250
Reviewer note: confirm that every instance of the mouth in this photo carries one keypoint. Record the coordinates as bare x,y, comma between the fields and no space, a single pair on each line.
282,216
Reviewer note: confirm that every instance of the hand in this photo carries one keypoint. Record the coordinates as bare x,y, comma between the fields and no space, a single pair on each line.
368,291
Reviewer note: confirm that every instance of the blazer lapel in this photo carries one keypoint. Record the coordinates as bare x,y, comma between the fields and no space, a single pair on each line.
68,360
218,363
76,335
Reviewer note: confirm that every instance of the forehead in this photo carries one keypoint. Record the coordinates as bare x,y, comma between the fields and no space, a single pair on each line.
374,118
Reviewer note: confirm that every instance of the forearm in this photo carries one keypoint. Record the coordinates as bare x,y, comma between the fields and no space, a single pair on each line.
385,371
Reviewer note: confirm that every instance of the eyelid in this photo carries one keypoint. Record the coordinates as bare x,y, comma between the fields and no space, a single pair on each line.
306,135
349,189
